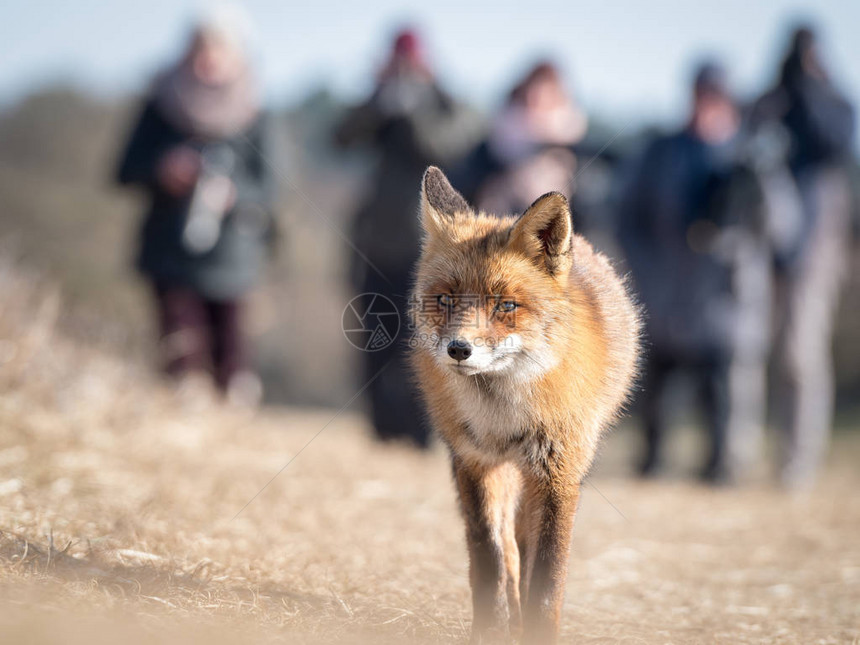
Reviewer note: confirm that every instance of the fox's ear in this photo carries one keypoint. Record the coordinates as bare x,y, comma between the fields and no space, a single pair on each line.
439,201
544,233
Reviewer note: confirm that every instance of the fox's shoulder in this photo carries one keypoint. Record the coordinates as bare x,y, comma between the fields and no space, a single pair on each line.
593,270
618,316
585,257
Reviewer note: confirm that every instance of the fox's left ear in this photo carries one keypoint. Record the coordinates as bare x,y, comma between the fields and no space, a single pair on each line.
439,201
544,233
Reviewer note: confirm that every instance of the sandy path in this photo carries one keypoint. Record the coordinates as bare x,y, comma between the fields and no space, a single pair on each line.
354,542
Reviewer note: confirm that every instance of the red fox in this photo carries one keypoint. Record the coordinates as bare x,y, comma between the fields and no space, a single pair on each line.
525,348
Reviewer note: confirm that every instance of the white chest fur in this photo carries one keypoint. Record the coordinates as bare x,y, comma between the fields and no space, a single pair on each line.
495,410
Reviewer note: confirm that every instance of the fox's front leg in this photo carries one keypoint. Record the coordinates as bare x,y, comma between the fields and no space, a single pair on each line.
488,500
549,509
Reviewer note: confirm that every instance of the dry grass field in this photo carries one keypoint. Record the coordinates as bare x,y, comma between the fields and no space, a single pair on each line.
118,523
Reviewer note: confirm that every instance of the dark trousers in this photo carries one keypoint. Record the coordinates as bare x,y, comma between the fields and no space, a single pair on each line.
711,380
198,334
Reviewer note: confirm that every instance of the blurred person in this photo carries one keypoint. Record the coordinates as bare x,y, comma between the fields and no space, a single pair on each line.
196,150
412,122
690,226
820,125
527,152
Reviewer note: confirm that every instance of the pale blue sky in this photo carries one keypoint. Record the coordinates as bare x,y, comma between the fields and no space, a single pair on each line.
626,59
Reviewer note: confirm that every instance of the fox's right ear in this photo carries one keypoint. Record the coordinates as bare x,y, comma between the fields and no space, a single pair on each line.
439,201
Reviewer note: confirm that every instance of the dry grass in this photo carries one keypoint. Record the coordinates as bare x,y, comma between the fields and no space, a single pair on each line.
118,497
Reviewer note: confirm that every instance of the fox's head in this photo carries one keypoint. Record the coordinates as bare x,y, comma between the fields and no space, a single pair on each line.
490,291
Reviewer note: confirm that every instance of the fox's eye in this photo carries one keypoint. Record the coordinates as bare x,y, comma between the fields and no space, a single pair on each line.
507,306
446,300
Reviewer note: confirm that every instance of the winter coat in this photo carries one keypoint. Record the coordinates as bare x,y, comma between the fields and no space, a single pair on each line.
693,232
233,264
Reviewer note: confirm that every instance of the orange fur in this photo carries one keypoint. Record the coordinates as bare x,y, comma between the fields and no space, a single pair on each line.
523,414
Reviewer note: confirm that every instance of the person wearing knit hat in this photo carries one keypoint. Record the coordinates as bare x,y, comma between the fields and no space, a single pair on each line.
412,123
688,225
196,151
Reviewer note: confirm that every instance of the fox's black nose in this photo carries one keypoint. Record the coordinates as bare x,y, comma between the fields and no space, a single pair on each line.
459,349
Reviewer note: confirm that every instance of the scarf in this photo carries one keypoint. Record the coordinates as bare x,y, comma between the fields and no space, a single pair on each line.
203,110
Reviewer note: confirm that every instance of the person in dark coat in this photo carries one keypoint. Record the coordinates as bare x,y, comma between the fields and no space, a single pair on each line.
197,152
411,122
684,247
820,125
